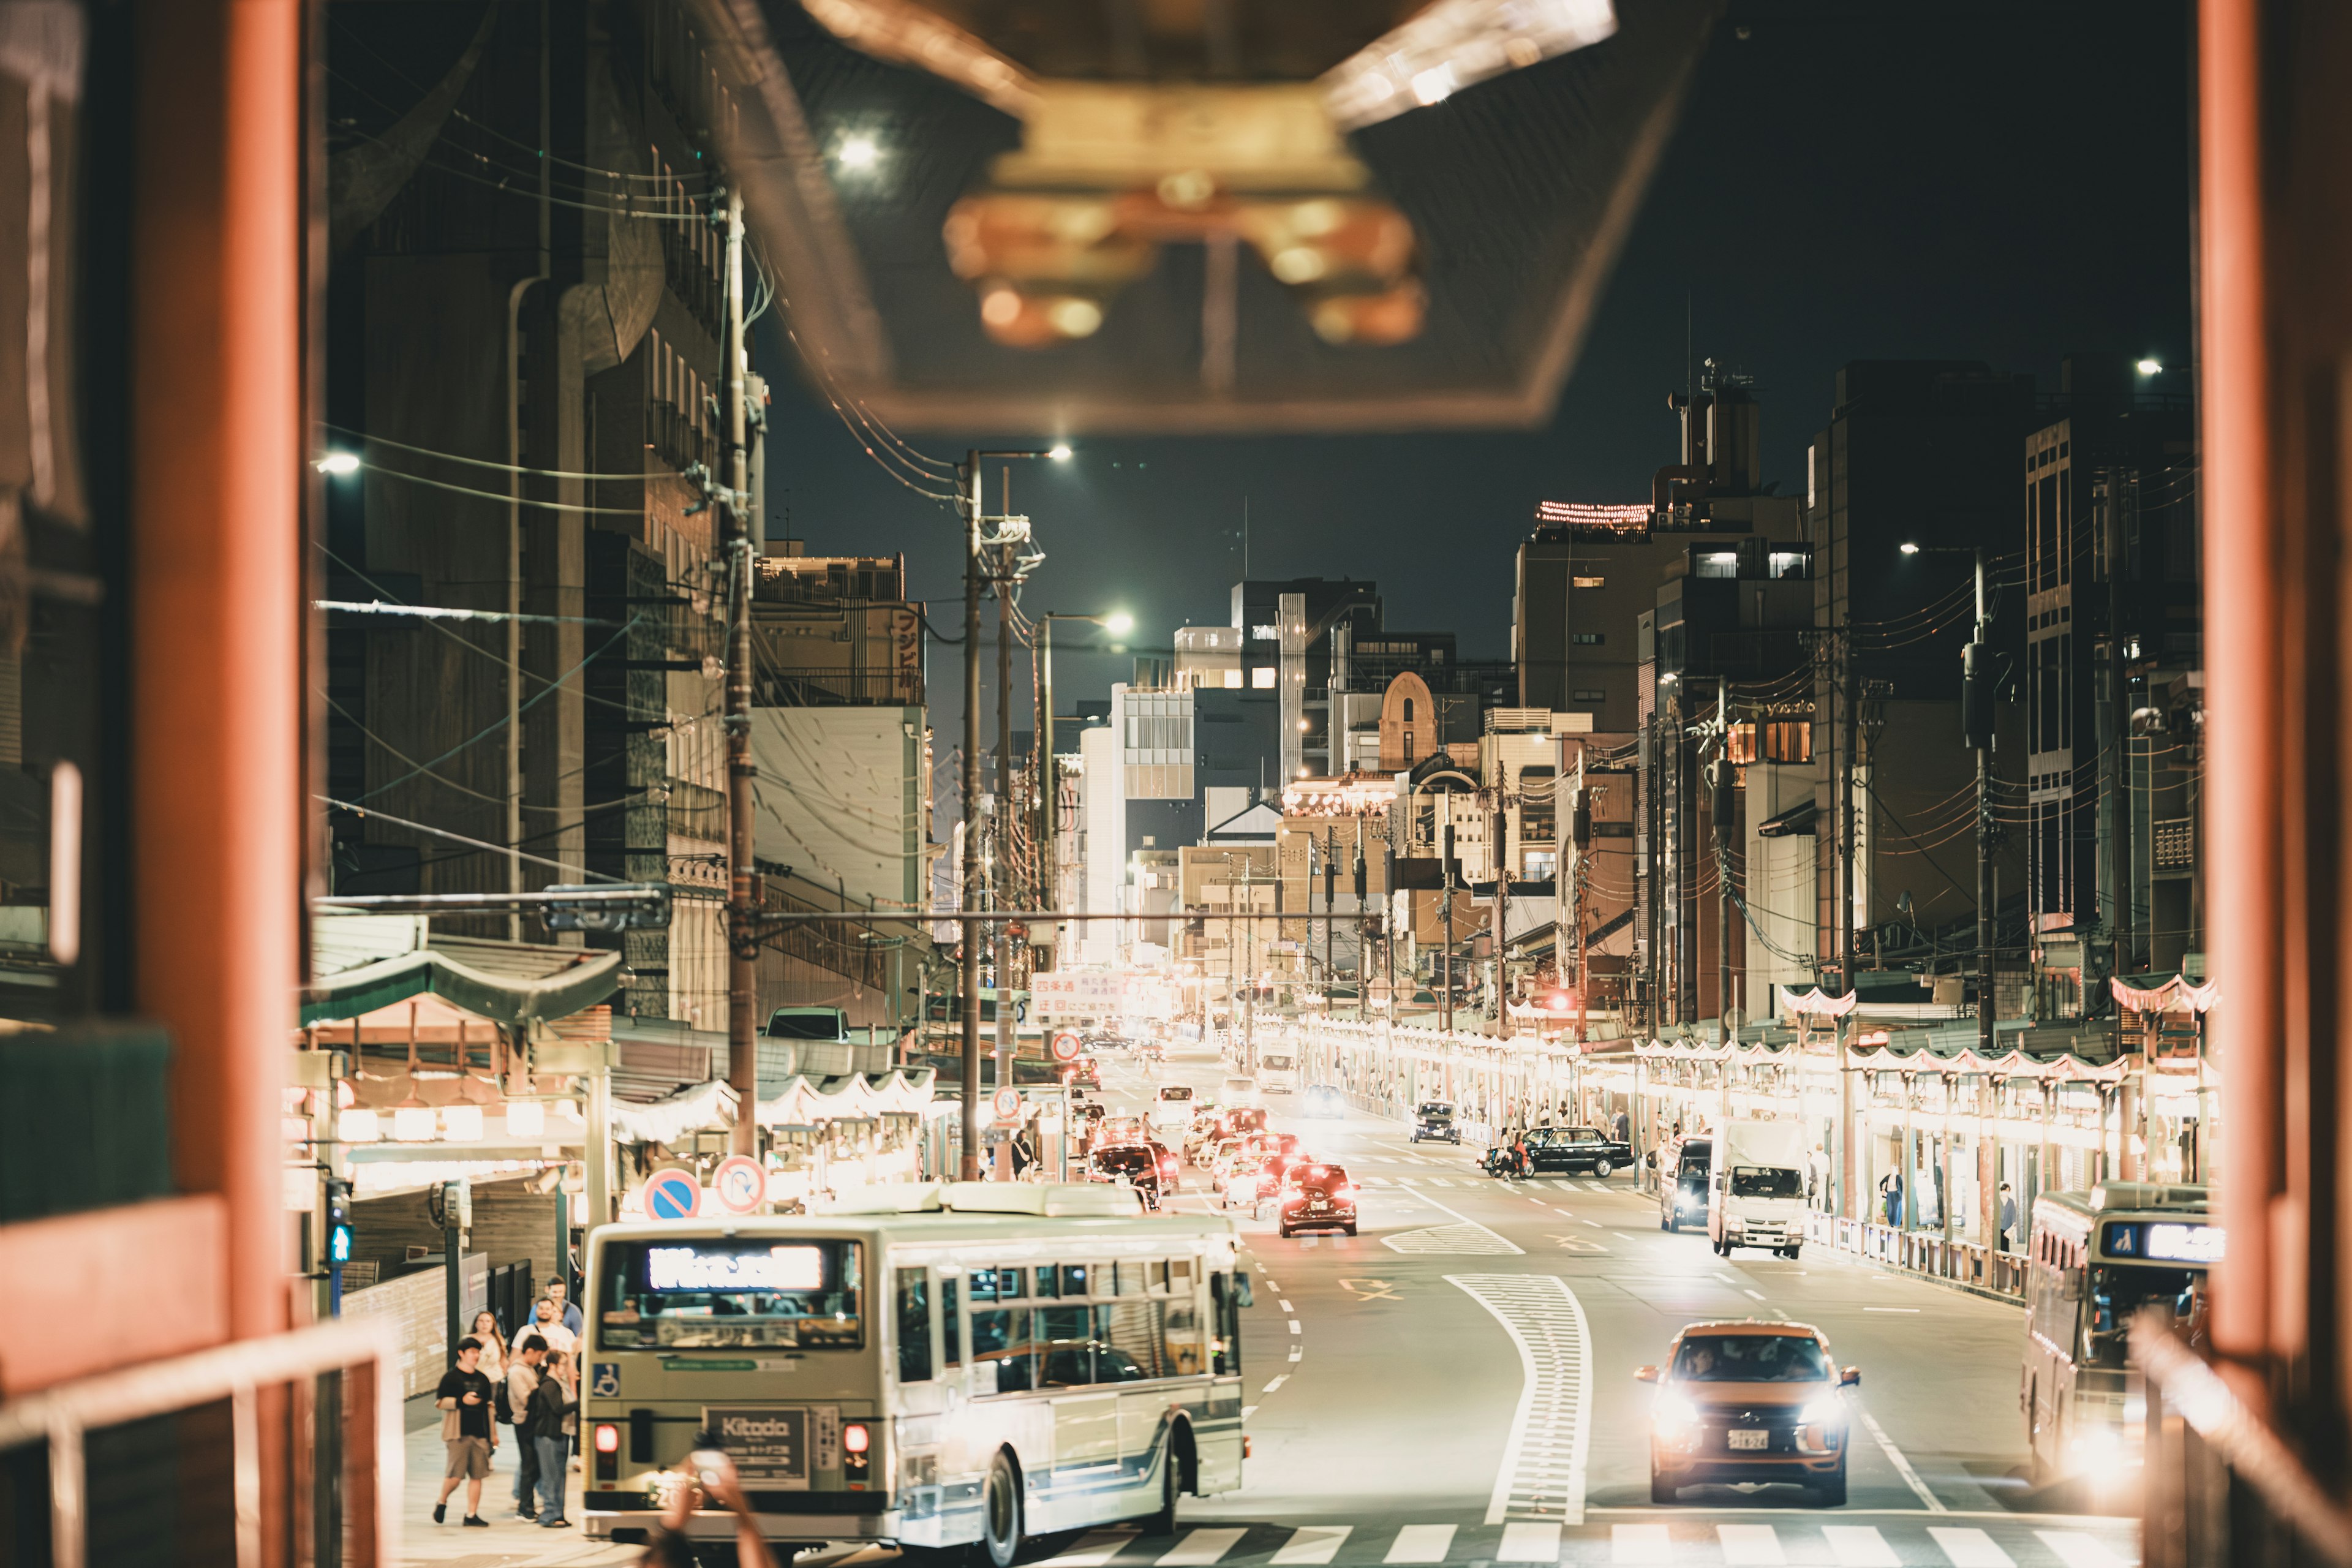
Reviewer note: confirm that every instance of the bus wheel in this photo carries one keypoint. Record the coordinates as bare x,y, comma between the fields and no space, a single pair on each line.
1163,1521
1000,1507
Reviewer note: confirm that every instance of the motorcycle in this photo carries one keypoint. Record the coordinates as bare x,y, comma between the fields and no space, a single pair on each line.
1500,1161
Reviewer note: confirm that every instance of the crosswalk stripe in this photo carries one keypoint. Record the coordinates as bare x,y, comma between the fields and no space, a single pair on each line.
1315,1543
1439,1181
1200,1548
1860,1546
1091,1551
1640,1543
2079,1551
1529,1543
1421,1543
1968,1548
1755,1544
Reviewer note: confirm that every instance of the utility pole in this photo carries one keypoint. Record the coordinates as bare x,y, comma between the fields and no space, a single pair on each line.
1007,883
742,883
1330,872
970,481
1363,968
1445,863
1849,694
1975,718
1502,913
1723,823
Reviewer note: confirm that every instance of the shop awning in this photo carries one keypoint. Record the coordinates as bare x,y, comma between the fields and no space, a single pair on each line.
510,999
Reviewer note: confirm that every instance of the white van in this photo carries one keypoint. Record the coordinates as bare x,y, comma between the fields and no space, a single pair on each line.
1172,1106
1757,1187
1238,1090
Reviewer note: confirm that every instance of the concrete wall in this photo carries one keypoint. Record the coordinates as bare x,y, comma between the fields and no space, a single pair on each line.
839,798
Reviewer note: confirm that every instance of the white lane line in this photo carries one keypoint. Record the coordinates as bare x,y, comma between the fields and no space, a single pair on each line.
1968,1548
1901,1466
1295,1353
1091,1551
1860,1546
1314,1543
1640,1543
2079,1551
1201,1548
1284,1305
1527,1542
1277,1382
1890,1308
1421,1543
1757,1294
1269,1284
1593,1223
1249,1411
1543,1469
1750,1543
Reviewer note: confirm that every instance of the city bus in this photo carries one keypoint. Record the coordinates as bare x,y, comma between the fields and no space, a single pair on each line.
2096,1260
928,1366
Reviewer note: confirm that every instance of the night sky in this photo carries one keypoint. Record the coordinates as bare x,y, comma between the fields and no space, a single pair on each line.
2002,182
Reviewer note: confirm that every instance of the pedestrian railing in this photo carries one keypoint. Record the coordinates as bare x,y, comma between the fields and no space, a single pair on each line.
282,1450
2224,1489
1969,1263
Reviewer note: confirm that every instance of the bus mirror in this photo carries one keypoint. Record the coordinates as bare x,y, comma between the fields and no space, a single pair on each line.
1645,1375
1849,1378
1242,1297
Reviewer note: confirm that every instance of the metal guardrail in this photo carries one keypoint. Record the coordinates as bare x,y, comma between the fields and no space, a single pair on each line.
308,1420
1964,1263
2224,1489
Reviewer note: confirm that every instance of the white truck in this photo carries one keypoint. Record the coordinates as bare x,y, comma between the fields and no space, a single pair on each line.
1757,1187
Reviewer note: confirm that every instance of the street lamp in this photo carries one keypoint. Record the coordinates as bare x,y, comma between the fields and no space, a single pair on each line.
2150,367
339,465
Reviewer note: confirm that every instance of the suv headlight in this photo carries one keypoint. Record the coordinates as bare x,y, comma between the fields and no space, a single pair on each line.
1825,1411
1673,1414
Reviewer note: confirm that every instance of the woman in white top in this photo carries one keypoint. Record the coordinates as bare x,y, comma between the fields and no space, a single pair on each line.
494,1345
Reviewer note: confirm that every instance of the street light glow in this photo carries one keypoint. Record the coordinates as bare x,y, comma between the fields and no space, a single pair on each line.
2150,367
340,465
1118,623
1060,452
859,152
1908,548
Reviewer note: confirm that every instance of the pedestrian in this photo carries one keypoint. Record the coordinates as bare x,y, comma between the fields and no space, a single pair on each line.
464,1397
549,1325
569,1310
551,1405
522,1380
494,1345
1621,1127
2007,1215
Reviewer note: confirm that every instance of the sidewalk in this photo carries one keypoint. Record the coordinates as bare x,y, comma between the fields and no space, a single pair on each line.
509,1543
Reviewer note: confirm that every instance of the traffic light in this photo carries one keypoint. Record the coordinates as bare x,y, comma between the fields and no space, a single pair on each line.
339,1222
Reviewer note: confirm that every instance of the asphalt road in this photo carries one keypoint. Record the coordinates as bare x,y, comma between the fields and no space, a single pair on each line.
1455,1385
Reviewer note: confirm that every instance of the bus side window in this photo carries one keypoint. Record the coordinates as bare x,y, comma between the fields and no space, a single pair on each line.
951,1322
914,1295
1225,1312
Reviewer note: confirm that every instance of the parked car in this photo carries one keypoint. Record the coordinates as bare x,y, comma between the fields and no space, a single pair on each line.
1433,1120
1571,1150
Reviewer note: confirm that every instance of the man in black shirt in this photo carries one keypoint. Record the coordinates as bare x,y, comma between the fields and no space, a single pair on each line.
466,1430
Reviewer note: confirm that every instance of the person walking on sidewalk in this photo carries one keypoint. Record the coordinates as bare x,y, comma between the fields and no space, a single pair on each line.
522,1378
551,1405
464,1397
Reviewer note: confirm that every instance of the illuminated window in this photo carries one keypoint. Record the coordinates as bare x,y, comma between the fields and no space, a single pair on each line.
1232,680
1262,678
1591,582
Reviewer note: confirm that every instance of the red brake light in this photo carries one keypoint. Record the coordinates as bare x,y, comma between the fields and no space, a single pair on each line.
854,1438
608,1438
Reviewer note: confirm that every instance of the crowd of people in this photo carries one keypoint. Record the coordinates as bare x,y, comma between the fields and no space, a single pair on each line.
529,1384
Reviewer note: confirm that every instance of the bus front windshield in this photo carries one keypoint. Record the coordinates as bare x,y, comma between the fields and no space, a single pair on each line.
2119,1292
709,1292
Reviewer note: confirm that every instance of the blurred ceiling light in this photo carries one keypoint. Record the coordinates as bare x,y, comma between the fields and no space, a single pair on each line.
1118,623
1455,44
341,465
859,152
525,1118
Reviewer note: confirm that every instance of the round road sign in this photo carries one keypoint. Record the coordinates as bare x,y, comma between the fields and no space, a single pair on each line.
740,1185
1066,1047
672,1194
1008,1104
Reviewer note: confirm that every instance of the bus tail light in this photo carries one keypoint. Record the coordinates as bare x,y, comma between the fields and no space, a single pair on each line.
854,1438
608,1451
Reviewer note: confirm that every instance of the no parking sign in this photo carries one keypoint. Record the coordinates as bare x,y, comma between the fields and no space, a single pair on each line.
672,1194
740,1185
1066,1047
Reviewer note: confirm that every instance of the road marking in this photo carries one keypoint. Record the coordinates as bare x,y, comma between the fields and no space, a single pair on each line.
1200,1548
1970,1548
2079,1551
1277,1382
1757,1294
1890,1308
1269,1284
1315,1543
1901,1464
1294,1325
1542,1473
1091,1551
1860,1546
1439,1181
1640,1543
1421,1543
1295,1352
1370,1290
1529,1543
1757,1543
1285,1305
1249,1411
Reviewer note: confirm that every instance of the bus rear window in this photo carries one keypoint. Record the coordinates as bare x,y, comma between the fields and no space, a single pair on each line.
713,1293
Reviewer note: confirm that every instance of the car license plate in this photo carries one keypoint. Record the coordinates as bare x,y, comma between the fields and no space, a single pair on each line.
1755,1438
1319,1204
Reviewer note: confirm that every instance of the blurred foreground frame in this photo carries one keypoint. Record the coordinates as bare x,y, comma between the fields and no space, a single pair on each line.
1206,217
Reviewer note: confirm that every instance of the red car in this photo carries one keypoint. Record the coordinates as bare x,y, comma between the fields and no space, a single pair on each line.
1083,1073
